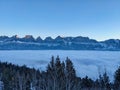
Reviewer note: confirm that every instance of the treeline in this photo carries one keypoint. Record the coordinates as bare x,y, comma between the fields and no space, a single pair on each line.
58,76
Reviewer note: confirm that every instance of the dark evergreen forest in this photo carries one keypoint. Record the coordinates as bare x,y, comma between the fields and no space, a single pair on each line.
58,76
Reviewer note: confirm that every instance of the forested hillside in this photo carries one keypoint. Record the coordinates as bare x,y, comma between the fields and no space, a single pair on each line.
58,76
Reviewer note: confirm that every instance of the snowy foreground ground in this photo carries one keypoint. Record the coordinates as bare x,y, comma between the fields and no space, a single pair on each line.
89,63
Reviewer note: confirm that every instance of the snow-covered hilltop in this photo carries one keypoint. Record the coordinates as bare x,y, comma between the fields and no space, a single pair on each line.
59,43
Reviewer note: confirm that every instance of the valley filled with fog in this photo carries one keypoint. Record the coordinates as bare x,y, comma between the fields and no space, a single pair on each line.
89,63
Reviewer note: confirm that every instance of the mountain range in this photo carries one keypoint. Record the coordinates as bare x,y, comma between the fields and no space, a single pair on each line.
59,43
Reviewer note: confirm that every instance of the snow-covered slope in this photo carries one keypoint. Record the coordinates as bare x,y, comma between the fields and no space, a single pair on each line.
59,43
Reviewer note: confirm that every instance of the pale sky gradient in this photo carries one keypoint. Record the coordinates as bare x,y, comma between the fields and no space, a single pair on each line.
98,19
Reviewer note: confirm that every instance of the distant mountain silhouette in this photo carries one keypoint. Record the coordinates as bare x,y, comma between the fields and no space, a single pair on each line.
59,43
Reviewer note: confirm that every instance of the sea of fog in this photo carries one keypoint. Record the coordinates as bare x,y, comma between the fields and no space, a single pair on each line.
89,63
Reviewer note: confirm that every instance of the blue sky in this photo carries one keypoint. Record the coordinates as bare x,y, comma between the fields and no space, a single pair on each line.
98,19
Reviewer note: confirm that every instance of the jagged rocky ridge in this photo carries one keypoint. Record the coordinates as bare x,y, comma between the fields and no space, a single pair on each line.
59,43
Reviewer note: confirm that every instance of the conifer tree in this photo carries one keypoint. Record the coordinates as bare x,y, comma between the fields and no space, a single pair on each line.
117,79
70,75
